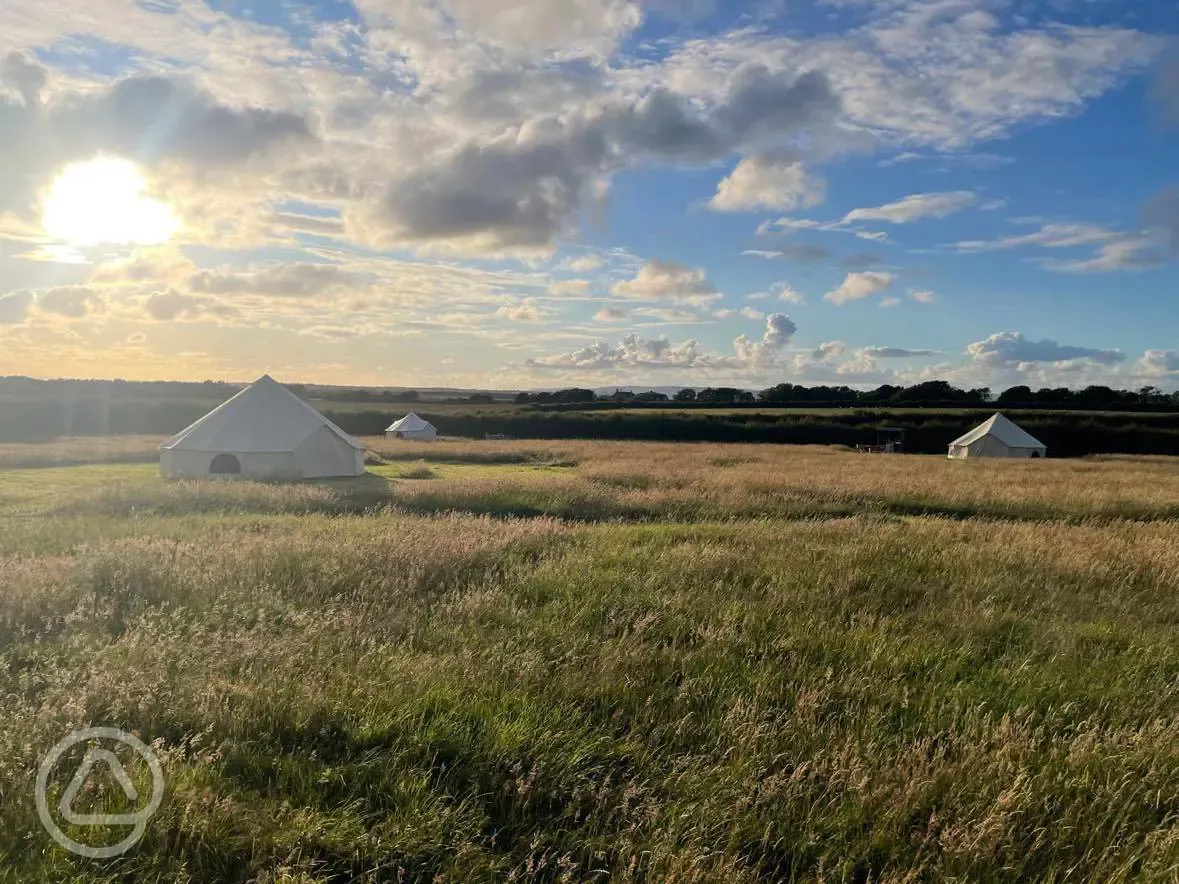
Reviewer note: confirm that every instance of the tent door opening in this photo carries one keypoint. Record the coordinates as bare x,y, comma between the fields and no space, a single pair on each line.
225,465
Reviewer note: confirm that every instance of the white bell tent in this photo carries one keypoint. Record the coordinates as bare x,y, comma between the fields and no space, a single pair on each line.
997,437
412,427
264,432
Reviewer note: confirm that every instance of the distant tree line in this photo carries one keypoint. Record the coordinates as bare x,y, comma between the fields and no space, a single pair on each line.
940,394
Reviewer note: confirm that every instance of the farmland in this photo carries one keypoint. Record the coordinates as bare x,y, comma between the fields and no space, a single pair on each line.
568,660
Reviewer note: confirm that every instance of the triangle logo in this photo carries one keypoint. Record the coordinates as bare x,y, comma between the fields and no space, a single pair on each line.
93,758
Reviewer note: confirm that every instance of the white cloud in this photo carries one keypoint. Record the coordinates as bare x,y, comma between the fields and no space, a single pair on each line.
858,286
631,352
1130,253
1158,363
1049,236
1012,348
752,313
829,350
923,296
787,294
890,301
915,207
780,329
1114,250
569,287
767,182
583,264
522,310
667,280
575,27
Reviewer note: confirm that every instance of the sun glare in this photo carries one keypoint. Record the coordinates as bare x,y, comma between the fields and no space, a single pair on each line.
102,202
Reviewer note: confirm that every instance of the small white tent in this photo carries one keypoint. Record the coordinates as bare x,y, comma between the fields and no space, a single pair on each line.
264,432
412,427
997,437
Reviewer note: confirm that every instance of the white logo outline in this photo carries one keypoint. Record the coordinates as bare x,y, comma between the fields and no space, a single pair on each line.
137,820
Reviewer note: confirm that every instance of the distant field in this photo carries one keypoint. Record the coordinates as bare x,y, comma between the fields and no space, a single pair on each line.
590,661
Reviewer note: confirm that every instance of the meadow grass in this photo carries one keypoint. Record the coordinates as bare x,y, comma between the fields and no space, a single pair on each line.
647,663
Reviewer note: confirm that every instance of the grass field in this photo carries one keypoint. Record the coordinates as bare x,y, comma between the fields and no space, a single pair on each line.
591,661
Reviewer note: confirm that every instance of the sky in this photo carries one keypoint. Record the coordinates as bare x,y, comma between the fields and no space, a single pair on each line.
507,194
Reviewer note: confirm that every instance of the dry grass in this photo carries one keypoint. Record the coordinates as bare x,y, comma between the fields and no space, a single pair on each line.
80,450
727,664
715,481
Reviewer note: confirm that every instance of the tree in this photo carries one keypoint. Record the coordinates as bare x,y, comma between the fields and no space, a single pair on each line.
481,398
780,393
685,395
883,393
723,394
1020,394
1151,395
574,394
523,398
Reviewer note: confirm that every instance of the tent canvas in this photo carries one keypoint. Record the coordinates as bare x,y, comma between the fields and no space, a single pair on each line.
997,437
412,427
263,432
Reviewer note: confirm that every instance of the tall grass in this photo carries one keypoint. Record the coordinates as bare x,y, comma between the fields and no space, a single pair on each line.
745,665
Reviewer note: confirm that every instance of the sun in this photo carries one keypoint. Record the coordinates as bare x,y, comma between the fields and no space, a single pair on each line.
102,202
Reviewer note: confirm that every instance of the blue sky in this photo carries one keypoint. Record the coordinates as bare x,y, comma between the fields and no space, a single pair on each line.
522,193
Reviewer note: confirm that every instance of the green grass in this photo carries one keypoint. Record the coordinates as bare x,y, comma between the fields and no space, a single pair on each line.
362,681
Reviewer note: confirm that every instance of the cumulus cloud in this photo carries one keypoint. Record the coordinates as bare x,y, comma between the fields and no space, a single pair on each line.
631,352
1159,363
779,330
829,350
1012,348
667,280
915,207
858,286
636,352
523,310
768,182
923,296
519,191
